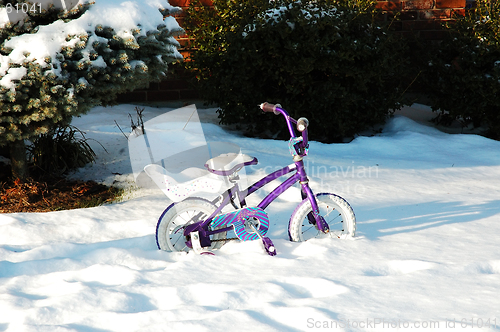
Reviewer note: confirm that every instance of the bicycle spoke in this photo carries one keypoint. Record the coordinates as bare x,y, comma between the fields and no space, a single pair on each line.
332,220
185,220
174,244
175,231
326,215
306,230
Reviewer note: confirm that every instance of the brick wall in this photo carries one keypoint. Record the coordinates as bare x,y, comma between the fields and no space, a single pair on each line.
174,87
421,17
410,17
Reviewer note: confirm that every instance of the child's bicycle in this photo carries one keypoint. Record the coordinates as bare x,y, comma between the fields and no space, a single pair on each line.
199,224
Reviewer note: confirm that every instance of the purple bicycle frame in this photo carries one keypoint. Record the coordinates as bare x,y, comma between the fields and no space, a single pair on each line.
299,176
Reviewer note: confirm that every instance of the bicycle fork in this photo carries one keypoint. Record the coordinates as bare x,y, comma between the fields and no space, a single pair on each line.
315,218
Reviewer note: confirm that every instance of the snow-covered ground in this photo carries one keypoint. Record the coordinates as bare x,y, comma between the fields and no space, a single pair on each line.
425,256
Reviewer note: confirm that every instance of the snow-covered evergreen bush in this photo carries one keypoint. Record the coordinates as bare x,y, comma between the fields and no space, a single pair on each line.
464,76
59,58
331,61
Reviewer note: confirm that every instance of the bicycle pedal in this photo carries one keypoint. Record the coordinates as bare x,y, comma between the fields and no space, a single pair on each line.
269,246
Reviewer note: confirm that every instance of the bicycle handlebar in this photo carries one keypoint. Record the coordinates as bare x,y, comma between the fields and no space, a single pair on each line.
301,123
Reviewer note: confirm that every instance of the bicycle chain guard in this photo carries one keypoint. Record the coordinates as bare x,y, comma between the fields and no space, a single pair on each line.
239,219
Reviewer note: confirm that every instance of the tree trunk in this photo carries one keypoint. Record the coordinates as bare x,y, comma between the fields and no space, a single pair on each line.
18,160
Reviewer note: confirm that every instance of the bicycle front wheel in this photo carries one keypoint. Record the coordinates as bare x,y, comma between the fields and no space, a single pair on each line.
170,227
334,209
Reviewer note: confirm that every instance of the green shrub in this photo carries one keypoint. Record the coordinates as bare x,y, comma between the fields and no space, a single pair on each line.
464,76
60,150
331,61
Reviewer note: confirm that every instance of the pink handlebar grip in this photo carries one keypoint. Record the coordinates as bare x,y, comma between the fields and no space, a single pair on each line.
267,107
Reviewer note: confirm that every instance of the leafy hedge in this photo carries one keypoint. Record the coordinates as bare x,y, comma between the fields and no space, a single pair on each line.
330,61
464,76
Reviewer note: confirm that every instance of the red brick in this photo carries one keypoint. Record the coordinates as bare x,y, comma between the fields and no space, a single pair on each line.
185,54
180,19
408,15
389,5
457,12
421,25
450,3
184,41
185,3
418,4
179,3
435,14
180,15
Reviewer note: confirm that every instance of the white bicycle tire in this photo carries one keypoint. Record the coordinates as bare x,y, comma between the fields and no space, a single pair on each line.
170,226
336,211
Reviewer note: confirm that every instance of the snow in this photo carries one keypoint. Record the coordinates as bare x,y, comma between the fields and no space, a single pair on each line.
13,74
425,255
309,12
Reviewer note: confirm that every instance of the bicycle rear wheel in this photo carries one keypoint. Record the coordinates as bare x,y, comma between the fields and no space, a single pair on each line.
171,224
334,209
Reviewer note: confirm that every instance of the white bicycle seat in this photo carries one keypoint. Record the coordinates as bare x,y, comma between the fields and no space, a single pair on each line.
229,163
185,184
